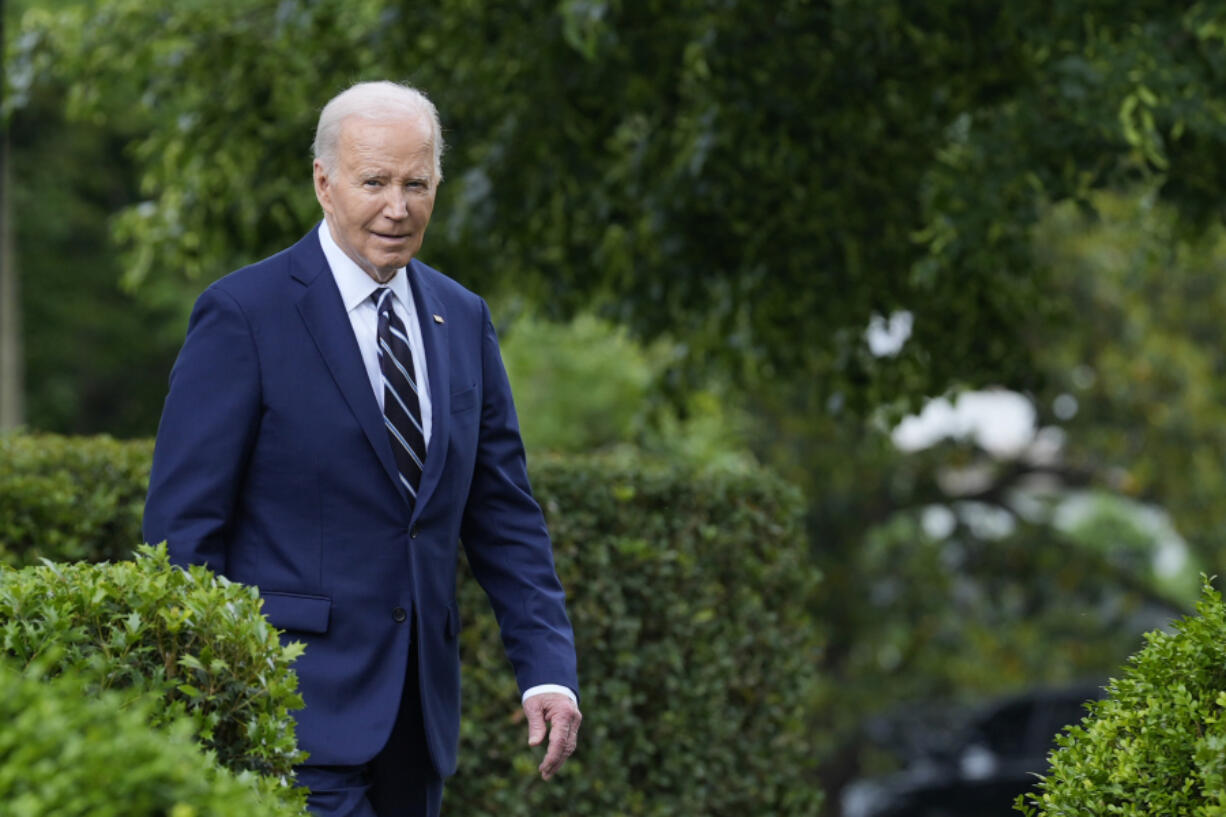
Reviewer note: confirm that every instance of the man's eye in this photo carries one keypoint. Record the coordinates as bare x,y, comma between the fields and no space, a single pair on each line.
372,183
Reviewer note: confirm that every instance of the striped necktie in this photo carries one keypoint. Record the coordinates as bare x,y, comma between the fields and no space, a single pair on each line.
401,410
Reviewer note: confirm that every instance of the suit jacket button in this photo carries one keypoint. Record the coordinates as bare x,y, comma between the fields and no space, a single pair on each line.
413,532
399,614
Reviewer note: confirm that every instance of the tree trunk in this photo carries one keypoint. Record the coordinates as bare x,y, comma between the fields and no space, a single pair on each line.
11,374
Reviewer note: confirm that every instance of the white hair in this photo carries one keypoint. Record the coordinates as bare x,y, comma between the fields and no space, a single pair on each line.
379,101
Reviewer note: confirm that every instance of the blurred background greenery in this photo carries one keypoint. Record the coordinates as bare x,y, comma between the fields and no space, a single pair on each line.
725,232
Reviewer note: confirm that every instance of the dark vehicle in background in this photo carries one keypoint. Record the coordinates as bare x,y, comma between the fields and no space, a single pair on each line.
976,769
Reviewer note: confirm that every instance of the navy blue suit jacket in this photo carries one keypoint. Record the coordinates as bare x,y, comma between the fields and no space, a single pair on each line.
273,467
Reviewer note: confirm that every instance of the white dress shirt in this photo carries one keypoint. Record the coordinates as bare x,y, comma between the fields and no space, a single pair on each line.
356,288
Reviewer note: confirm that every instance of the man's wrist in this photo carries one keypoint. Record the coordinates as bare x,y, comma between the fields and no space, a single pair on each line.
541,689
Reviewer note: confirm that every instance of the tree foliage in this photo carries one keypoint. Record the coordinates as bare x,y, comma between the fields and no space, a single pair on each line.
759,182
586,386
1144,364
95,356
957,572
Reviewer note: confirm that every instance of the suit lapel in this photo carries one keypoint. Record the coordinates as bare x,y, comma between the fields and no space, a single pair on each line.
434,336
324,314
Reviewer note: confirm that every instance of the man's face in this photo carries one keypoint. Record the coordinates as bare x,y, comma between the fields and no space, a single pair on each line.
379,197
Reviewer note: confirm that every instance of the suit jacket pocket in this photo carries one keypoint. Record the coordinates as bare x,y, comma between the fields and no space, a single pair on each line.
463,400
293,611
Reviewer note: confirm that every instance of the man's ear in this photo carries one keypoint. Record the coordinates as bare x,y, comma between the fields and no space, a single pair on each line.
323,189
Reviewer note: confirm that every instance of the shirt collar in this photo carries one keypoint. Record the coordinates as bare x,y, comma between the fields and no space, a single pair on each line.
353,282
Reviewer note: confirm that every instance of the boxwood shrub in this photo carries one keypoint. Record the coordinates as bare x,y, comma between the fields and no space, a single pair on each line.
690,592
1157,743
197,642
69,752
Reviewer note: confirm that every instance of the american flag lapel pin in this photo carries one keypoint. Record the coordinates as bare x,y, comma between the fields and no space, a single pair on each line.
438,319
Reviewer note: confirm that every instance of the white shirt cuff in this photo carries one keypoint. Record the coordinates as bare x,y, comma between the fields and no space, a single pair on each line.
541,688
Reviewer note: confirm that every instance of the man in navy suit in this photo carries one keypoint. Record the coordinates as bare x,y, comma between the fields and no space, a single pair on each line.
287,459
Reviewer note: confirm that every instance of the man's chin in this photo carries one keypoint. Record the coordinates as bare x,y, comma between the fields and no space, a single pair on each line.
383,268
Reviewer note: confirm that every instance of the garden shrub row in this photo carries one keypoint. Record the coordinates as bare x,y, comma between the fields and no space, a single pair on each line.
71,498
68,751
690,594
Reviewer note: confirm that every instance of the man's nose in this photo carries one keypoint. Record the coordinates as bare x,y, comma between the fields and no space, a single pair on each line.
396,203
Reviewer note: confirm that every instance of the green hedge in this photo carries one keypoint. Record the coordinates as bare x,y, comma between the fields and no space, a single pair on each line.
197,642
1156,745
71,498
69,752
690,594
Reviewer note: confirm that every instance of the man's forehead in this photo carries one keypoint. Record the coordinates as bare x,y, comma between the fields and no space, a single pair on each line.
379,145
358,128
